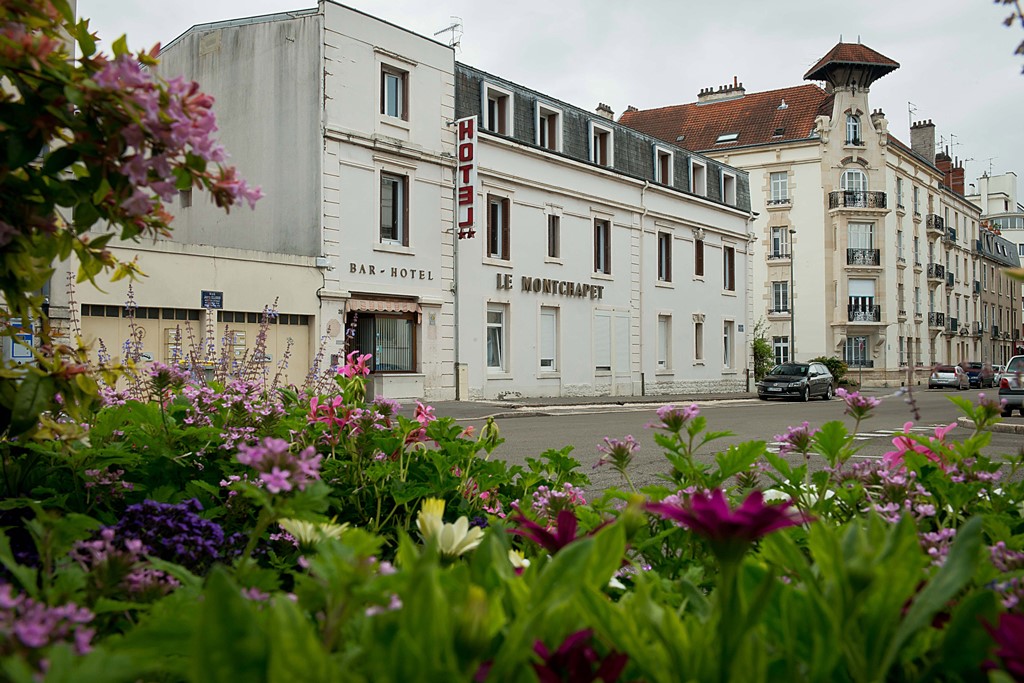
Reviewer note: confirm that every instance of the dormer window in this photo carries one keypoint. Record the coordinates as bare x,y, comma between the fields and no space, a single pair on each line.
549,127
727,137
602,149
497,109
663,163
853,130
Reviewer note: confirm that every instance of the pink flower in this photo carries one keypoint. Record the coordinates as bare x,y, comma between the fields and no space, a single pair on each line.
355,364
673,419
1009,636
904,445
575,659
857,405
729,532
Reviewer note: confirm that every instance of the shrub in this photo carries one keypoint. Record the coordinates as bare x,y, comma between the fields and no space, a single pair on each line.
837,367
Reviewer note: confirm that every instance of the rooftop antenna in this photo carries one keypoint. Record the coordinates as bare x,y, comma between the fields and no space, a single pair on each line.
911,110
455,28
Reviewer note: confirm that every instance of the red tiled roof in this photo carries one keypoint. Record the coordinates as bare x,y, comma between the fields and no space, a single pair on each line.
851,53
755,117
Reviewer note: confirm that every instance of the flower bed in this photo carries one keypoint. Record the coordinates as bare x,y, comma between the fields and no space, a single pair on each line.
231,533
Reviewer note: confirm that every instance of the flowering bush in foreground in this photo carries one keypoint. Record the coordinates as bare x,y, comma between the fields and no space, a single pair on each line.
325,532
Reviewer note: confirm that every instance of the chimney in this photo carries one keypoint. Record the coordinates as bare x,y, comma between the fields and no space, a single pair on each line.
630,109
956,177
605,111
732,91
922,139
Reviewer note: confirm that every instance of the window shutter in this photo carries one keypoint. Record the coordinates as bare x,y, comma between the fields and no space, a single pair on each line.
622,346
602,340
505,229
698,257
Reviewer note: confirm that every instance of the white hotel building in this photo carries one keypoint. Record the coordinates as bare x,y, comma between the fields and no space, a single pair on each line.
347,124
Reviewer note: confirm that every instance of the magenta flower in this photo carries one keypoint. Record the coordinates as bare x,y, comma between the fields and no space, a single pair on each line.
618,453
1009,636
355,364
576,659
563,534
729,532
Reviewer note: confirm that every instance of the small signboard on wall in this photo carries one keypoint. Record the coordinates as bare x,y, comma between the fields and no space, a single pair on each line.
211,299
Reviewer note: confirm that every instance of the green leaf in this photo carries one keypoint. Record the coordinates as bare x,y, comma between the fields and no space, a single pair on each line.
947,582
830,440
59,159
85,39
295,652
120,46
26,576
739,458
229,643
33,397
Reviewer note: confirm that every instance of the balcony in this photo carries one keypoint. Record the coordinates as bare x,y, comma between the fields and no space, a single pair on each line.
902,314
779,254
918,314
976,329
936,272
950,281
780,201
937,320
778,311
856,199
950,237
859,363
934,224
863,257
977,287
864,314
952,326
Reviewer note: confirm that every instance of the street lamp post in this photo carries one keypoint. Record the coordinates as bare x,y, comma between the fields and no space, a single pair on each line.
792,300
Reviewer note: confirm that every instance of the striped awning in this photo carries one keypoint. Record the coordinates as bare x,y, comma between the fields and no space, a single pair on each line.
379,305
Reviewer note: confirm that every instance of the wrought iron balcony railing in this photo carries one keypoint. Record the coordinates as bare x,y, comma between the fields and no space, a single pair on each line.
856,199
777,254
936,319
934,223
863,257
864,314
936,271
859,363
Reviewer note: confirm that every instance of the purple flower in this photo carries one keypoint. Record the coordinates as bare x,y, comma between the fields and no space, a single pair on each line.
857,405
172,532
796,440
617,453
576,659
729,532
27,625
673,419
280,469
547,502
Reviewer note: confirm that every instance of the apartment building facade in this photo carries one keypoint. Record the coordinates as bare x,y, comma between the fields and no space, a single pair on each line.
866,246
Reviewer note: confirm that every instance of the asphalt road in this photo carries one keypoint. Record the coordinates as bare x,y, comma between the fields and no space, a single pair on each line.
584,427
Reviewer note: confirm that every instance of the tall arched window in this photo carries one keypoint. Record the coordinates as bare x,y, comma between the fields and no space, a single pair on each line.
854,179
853,130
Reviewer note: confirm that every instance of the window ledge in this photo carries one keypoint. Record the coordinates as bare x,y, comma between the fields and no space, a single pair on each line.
698,278
729,292
665,373
394,121
501,263
699,362
665,284
549,374
394,248
729,371
602,276
554,260
495,374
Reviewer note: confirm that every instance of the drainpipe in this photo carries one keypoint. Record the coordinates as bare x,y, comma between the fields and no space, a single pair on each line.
643,215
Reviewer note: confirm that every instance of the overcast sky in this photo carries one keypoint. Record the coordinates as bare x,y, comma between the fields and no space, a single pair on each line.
956,57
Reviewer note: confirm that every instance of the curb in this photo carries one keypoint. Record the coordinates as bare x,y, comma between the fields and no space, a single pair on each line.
1002,427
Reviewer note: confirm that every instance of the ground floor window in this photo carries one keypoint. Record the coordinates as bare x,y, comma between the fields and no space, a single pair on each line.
390,339
496,315
727,342
780,349
856,353
664,341
548,339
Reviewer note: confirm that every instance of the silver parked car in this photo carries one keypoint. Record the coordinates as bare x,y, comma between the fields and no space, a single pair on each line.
1011,386
949,376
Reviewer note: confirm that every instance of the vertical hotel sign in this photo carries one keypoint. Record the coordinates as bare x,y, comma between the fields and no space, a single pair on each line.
466,177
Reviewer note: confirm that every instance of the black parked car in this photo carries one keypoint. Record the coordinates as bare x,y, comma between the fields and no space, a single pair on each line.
797,380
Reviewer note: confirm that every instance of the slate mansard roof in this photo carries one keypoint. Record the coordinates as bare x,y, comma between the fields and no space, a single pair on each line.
634,154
